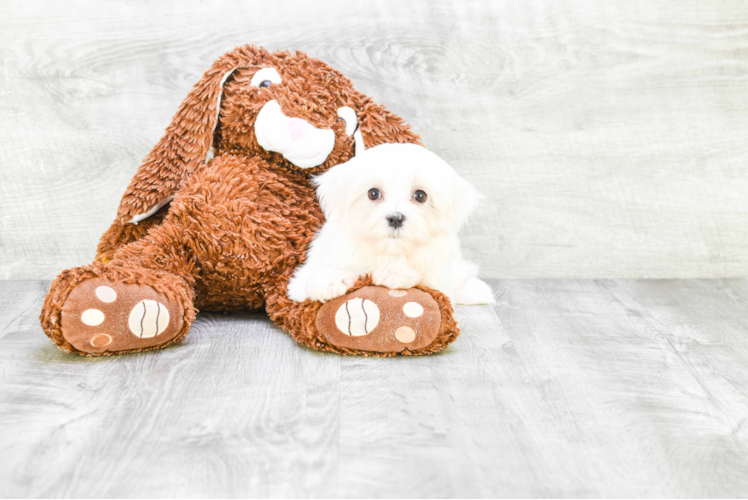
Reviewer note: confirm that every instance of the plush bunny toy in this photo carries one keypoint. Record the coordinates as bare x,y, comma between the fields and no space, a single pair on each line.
220,214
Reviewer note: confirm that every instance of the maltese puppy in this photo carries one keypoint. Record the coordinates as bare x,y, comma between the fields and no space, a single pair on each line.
392,212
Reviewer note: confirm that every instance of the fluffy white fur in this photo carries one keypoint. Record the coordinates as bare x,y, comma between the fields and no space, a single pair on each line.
357,239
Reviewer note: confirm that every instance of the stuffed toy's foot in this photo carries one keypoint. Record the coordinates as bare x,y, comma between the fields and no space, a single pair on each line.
368,320
100,316
377,320
96,310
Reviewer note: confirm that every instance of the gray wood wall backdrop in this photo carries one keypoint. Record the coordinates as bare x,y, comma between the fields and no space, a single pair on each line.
609,137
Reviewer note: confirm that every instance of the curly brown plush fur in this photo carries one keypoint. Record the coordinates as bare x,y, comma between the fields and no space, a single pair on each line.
238,225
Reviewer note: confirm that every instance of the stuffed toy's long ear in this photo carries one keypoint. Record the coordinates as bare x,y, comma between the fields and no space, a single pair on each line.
184,146
379,126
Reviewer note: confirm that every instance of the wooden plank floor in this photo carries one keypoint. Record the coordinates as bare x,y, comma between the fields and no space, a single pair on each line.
564,388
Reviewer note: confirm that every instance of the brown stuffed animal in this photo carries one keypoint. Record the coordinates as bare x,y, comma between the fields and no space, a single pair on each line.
220,214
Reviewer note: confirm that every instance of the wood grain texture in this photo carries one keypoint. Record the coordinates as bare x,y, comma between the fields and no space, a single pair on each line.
608,137
564,388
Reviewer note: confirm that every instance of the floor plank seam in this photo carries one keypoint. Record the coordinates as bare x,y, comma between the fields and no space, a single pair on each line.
670,343
7,327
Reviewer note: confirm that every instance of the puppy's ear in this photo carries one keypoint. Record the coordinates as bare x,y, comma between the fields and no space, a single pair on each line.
333,189
186,143
465,199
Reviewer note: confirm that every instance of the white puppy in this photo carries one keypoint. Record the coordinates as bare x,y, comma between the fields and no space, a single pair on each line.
392,212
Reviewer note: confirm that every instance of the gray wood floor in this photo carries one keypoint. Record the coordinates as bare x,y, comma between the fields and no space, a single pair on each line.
564,388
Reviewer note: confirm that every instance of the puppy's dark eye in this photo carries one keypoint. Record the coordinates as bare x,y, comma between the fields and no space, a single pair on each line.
374,194
265,84
420,196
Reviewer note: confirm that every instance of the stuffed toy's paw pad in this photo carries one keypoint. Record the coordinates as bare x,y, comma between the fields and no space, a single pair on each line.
377,319
100,316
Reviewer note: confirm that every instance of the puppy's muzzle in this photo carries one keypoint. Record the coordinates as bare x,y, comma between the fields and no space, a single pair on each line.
395,220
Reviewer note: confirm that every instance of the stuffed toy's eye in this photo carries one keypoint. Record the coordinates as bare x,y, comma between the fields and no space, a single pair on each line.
420,196
265,77
374,194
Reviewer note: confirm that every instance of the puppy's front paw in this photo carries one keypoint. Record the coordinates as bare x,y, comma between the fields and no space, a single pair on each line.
397,278
330,284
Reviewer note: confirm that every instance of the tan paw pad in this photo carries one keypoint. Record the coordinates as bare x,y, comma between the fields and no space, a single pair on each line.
92,317
357,317
101,340
413,309
148,318
106,294
405,334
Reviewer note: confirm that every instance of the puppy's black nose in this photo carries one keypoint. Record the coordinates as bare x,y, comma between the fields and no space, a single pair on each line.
395,220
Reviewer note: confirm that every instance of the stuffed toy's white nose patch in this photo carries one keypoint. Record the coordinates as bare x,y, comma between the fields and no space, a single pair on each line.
297,140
